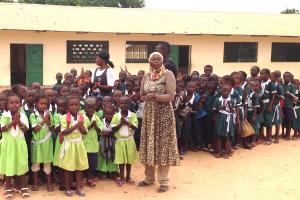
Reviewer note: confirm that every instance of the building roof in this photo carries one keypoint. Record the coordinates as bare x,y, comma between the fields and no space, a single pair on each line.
34,17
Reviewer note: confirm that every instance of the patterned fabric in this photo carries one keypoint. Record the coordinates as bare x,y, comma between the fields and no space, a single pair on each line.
158,135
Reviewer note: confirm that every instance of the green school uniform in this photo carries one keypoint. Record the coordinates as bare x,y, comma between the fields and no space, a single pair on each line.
288,100
41,143
56,123
100,114
225,121
253,102
277,119
266,95
72,154
90,140
14,154
125,148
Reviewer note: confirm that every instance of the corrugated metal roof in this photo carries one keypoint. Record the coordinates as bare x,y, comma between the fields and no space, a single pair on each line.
128,20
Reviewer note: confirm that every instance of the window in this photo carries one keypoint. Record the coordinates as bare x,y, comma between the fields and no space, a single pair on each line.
285,52
240,52
84,51
139,51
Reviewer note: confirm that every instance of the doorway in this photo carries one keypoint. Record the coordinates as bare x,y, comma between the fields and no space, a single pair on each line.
181,56
26,63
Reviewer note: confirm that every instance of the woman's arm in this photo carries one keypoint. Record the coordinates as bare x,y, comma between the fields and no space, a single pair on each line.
170,88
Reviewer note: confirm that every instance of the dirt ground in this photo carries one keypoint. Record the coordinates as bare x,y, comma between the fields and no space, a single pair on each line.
267,172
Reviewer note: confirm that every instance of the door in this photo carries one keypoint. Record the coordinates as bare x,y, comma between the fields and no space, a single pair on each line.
181,56
17,64
34,63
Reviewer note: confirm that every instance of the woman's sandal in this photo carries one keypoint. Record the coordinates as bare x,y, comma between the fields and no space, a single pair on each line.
130,181
143,184
80,193
162,188
24,192
90,183
68,193
50,188
35,188
8,194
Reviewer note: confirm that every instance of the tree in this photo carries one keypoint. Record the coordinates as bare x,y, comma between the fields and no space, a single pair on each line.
100,3
290,11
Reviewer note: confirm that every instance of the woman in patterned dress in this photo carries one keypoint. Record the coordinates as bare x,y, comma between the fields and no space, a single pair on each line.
158,135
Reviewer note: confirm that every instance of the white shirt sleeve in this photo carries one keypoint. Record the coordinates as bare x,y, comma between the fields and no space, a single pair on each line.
110,74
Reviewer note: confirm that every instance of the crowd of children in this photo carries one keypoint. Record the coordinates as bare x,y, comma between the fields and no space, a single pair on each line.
73,133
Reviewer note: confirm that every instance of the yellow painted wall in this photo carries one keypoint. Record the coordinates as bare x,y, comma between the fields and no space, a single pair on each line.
204,50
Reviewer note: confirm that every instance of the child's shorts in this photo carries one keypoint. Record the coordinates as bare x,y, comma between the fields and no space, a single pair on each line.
266,120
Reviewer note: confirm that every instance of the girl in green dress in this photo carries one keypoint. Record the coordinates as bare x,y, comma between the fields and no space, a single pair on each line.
61,103
124,124
72,155
14,154
225,122
90,140
41,144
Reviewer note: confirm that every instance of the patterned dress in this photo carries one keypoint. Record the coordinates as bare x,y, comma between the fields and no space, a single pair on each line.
158,134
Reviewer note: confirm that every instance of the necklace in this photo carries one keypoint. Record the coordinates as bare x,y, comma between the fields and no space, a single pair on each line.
156,74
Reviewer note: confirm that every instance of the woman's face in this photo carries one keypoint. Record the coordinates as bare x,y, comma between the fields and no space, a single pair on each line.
156,62
99,61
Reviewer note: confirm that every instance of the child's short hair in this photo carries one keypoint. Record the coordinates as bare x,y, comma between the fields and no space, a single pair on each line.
266,70
41,96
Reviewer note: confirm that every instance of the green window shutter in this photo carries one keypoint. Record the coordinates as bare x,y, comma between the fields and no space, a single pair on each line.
175,54
34,63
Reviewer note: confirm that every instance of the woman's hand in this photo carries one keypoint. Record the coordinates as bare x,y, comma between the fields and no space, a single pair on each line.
150,97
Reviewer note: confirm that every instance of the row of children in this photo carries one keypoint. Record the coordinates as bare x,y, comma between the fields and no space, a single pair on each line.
65,133
222,114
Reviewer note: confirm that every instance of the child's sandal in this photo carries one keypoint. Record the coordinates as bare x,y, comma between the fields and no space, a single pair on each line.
68,193
50,188
90,184
80,193
24,192
8,194
35,188
218,155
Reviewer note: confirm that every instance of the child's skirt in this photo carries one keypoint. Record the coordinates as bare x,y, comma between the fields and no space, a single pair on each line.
106,155
56,151
296,122
225,125
254,124
125,151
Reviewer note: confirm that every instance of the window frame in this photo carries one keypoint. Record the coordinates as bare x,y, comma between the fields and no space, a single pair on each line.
69,46
150,48
239,46
295,46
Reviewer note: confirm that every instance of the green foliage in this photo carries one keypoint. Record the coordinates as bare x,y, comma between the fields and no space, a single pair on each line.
104,3
290,11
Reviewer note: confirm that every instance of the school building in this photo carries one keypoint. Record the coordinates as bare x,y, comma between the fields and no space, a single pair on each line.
37,41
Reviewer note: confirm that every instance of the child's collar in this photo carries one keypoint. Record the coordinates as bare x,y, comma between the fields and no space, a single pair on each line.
128,115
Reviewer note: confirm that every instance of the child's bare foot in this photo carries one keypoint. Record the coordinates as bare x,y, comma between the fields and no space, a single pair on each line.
287,138
276,140
226,156
218,155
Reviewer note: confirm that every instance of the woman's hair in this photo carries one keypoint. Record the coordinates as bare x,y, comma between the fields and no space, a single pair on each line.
104,55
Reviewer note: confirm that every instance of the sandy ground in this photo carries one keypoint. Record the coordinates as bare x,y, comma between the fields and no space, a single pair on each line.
268,172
